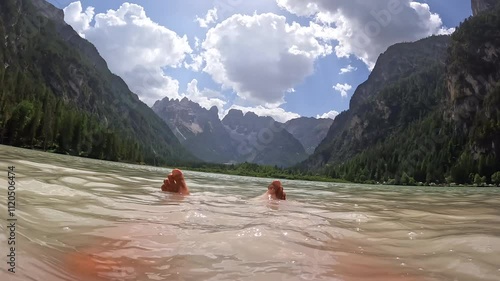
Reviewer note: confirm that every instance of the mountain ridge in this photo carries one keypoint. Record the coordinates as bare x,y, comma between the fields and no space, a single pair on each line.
354,129
440,124
237,137
74,104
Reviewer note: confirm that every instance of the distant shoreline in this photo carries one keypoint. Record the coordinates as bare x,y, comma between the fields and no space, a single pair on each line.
274,173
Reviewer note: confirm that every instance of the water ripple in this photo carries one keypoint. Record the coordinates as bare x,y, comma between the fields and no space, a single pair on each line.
81,219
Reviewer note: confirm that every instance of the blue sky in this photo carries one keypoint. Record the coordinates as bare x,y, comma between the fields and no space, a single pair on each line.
243,73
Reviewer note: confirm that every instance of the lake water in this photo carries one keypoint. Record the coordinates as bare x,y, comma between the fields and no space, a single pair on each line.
82,219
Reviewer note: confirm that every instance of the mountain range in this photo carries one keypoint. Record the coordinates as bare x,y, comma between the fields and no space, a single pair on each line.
429,111
59,95
239,137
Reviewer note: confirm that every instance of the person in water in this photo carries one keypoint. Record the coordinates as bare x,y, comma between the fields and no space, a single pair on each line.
176,183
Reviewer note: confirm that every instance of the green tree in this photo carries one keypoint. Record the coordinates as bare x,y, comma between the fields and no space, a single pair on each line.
34,124
495,178
405,179
21,117
477,180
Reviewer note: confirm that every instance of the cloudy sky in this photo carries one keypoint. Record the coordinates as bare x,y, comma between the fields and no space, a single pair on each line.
281,58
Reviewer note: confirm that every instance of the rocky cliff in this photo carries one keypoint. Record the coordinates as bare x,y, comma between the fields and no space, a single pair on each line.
473,67
198,129
473,75
479,6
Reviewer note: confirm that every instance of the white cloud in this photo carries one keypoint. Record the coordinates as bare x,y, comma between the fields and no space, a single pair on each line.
150,83
135,47
331,114
210,18
79,20
261,57
277,113
196,63
205,98
342,89
446,31
197,42
347,69
366,29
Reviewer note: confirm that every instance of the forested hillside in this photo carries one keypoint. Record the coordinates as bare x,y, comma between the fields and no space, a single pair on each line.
57,94
440,123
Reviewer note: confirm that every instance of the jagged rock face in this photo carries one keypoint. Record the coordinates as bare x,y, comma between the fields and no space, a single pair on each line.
186,118
262,140
309,131
473,73
482,5
473,69
197,128
237,138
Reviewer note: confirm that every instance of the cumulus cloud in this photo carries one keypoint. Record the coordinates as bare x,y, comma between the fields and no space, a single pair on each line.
210,18
150,84
196,63
79,20
277,113
135,47
347,69
366,29
261,57
329,115
342,89
205,98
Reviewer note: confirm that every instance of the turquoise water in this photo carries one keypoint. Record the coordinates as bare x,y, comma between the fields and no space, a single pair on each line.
82,219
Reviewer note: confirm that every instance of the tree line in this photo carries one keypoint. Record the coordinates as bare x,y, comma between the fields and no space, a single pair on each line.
32,116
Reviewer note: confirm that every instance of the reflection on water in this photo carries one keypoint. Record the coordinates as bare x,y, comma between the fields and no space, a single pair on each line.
81,219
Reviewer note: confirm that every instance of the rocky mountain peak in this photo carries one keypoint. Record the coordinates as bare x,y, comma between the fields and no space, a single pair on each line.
251,115
237,138
214,109
233,114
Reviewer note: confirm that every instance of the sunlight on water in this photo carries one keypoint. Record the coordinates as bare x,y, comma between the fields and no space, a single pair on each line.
82,219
